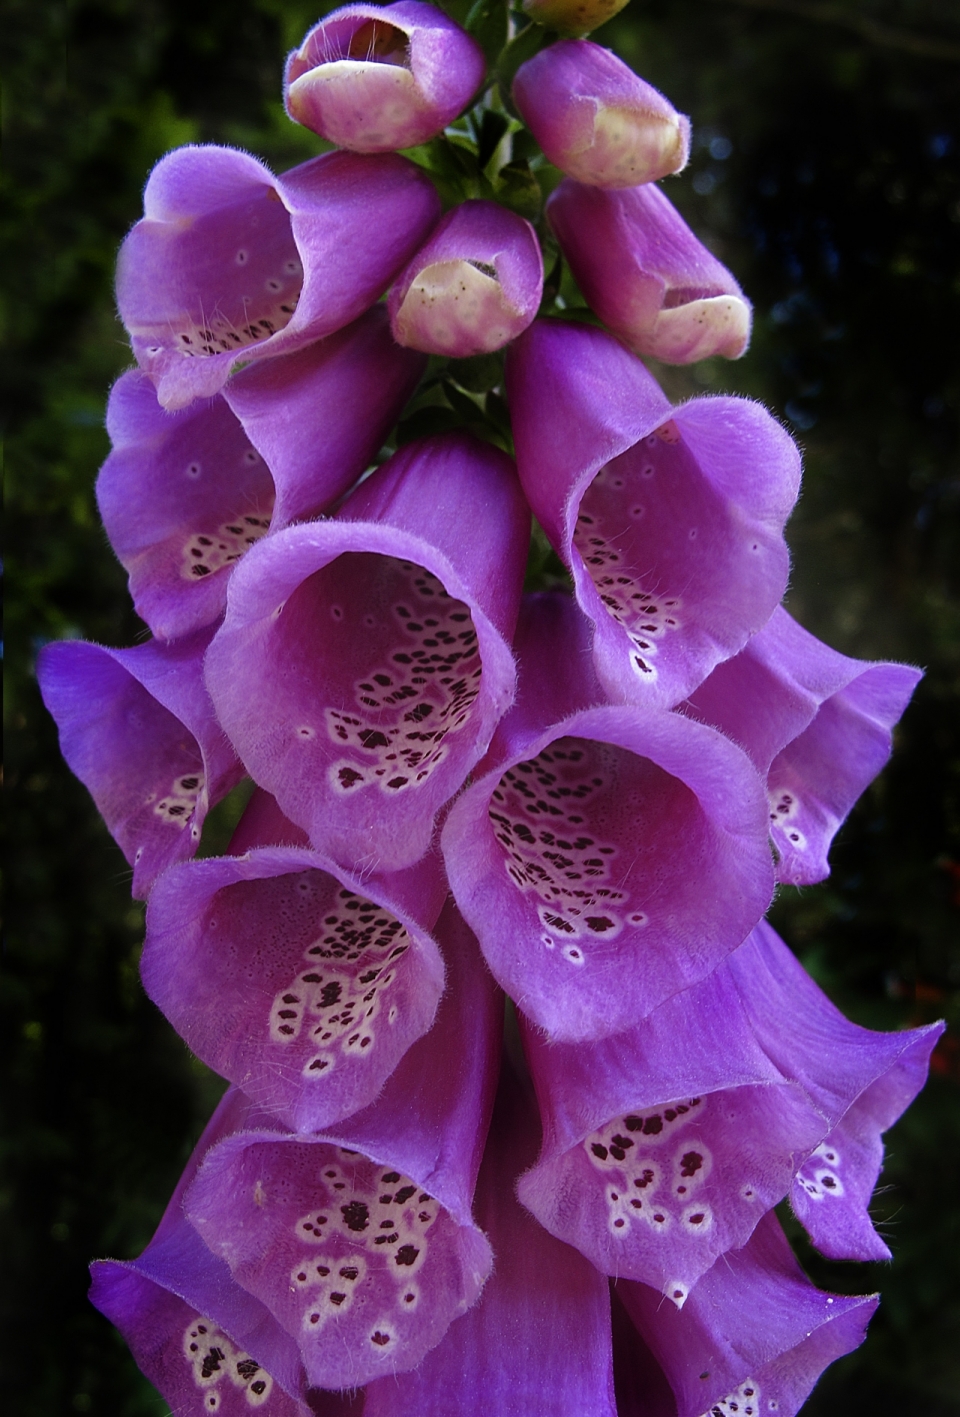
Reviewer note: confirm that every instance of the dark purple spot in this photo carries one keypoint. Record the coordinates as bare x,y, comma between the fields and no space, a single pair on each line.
356,1215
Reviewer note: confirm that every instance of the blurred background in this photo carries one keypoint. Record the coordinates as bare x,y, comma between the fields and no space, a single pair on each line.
826,174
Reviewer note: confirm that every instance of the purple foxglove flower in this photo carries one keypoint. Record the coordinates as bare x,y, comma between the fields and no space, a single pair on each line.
607,858
231,263
313,1026
364,661
184,495
138,729
670,520
375,78
360,1240
538,1341
664,1146
596,120
755,1334
816,724
643,271
473,287
207,1344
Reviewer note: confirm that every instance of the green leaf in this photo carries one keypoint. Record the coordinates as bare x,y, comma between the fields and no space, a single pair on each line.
492,127
477,374
516,187
487,22
522,47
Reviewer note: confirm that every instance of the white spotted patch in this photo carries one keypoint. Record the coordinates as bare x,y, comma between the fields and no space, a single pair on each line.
744,1402
204,555
407,708
179,804
215,1360
785,806
540,812
338,998
818,1174
654,1174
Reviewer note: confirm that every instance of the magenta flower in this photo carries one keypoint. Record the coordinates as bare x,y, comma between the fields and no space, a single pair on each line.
608,857
816,724
138,729
231,263
366,734
647,276
183,496
596,120
670,520
375,78
473,287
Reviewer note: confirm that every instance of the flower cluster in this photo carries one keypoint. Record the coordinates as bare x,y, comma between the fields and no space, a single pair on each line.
581,799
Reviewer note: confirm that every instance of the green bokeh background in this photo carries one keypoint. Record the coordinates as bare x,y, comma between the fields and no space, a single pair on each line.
826,173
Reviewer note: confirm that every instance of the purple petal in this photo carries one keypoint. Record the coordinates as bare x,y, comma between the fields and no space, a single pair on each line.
184,495
231,263
647,276
365,703
360,1241
301,982
376,78
596,120
672,526
608,860
473,287
539,1339
754,1335
138,729
816,724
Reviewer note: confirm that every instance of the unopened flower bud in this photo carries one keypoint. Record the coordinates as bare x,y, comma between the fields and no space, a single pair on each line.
646,275
376,78
596,120
572,16
473,287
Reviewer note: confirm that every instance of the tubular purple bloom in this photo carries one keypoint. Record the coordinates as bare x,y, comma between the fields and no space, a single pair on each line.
664,1146
596,120
360,1240
295,979
231,263
207,1344
753,1337
816,724
607,858
184,495
647,276
364,661
539,1339
375,78
138,729
473,287
670,520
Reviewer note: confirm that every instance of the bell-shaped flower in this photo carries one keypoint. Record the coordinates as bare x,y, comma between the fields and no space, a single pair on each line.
184,495
572,16
669,519
375,78
364,661
300,981
203,1340
816,724
138,729
473,287
596,120
646,275
664,1146
360,1239
539,1339
607,857
230,263
753,1337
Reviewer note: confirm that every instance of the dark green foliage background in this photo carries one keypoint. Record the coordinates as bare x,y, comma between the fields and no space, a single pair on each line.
826,172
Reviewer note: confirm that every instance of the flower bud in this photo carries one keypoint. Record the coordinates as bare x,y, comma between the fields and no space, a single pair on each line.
596,120
473,287
572,16
374,79
646,275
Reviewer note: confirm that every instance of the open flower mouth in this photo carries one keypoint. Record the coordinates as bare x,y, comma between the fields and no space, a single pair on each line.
376,42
